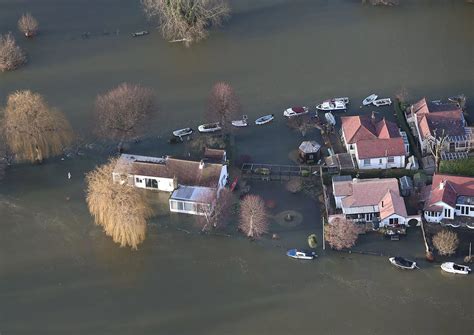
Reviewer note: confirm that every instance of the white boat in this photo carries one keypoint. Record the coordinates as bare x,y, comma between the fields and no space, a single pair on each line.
382,102
371,98
183,132
295,111
452,267
241,123
330,118
402,263
331,105
209,127
343,99
301,254
264,119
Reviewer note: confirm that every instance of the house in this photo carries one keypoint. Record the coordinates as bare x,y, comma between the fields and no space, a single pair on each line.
431,121
371,200
309,151
449,196
192,184
375,144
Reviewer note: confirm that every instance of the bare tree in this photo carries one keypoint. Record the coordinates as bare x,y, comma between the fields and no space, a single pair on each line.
341,233
301,124
186,20
223,105
436,146
28,25
446,242
253,217
217,214
122,112
33,130
119,209
11,55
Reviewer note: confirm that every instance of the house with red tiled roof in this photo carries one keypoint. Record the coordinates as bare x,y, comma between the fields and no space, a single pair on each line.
371,200
449,196
434,120
375,144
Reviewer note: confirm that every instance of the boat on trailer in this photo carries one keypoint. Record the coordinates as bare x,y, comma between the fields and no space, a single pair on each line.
209,127
382,102
370,99
452,267
183,132
331,105
402,263
295,111
241,123
330,118
301,254
264,119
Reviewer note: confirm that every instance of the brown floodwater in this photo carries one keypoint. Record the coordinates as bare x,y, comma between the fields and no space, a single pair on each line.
59,273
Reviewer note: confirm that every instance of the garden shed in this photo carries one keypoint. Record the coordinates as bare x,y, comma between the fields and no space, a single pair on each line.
310,152
406,186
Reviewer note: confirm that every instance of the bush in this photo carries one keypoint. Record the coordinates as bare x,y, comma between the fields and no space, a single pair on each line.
446,242
461,167
11,55
341,234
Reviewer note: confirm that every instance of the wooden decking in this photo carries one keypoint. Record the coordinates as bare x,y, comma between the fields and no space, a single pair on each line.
275,172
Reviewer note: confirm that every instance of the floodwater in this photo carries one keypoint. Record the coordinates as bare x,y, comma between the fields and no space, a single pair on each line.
60,274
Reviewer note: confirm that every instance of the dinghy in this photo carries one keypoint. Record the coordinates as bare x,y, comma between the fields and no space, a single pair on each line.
331,105
209,127
301,254
402,263
264,119
370,99
330,118
295,111
382,102
452,267
140,33
183,132
240,123
343,99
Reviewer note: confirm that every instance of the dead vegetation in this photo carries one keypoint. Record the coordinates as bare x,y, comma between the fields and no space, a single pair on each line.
341,234
119,209
224,106
446,242
217,215
11,55
253,217
28,25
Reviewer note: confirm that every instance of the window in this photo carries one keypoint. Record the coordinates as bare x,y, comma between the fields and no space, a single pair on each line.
391,159
189,207
180,205
458,207
366,161
472,209
380,160
351,147
174,204
447,213
151,183
393,221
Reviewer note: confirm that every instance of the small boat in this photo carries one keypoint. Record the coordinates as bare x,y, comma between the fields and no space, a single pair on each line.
330,118
295,111
382,102
343,99
183,132
140,33
458,99
402,263
301,254
264,119
331,105
209,127
370,99
452,267
240,123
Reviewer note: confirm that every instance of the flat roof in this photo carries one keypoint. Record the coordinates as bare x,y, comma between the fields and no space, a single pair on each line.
193,193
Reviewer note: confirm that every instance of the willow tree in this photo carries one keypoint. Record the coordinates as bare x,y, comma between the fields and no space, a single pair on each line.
253,217
28,25
224,105
11,55
119,209
186,20
341,233
33,130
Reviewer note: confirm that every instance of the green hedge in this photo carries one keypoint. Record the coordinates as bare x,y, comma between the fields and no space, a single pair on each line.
460,167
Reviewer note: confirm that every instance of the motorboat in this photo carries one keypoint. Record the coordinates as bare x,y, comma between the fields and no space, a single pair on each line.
264,119
370,99
331,105
183,132
301,254
241,123
209,127
452,267
330,118
343,99
382,102
140,33
402,263
296,111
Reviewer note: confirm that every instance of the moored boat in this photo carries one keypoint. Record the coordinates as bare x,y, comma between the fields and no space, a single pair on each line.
295,111
264,119
140,33
209,127
301,254
402,263
343,99
331,105
452,267
183,132
241,123
330,118
382,102
370,99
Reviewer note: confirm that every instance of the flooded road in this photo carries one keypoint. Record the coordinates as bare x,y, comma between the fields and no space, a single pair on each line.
60,274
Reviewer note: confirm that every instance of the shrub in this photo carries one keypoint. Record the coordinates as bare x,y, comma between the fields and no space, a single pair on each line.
11,55
461,167
446,242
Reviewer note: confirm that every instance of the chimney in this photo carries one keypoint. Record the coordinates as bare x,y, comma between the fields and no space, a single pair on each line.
201,164
442,184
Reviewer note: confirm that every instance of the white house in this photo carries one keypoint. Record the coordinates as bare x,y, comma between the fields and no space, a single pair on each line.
375,144
192,183
449,196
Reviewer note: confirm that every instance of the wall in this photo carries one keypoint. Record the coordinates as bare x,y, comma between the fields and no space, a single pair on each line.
386,221
382,163
164,184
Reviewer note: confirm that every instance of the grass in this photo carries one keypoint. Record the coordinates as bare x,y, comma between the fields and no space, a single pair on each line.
461,167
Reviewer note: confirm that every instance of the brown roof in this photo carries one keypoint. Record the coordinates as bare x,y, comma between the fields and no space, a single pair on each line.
369,192
452,188
365,127
215,155
392,203
342,188
380,148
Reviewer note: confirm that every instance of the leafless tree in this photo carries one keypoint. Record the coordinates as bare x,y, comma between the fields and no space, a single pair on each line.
341,233
217,215
186,20
11,55
119,209
253,217
446,242
122,112
436,146
28,25
402,95
301,123
33,130
223,105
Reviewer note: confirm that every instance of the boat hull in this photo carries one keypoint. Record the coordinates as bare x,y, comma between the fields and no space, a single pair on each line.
382,102
397,264
371,98
264,119
330,118
183,132
295,111
205,128
450,267
239,123
294,253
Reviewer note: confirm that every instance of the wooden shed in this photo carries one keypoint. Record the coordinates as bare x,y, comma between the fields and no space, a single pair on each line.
310,152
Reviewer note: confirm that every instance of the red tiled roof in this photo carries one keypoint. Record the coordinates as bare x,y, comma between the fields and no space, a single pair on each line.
392,203
369,192
380,148
454,186
364,127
